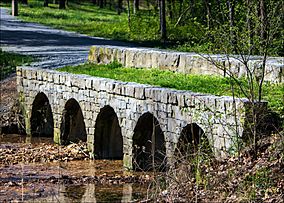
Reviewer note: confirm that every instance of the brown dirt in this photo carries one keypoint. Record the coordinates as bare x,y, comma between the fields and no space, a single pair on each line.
236,179
10,115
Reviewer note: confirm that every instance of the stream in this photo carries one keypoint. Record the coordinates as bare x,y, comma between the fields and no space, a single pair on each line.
66,181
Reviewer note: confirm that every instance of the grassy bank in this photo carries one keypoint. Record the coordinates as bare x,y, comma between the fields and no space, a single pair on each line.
9,62
215,85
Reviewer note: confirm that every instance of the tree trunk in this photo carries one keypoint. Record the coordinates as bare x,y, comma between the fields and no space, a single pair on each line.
249,26
208,16
119,7
163,20
135,6
170,8
221,12
263,23
62,4
231,7
128,14
25,2
180,7
101,3
15,11
45,4
110,5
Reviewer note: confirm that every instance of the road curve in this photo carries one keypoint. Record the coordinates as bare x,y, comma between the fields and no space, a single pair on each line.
55,48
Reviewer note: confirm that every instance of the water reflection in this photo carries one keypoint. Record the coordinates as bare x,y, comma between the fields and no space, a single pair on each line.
37,182
97,193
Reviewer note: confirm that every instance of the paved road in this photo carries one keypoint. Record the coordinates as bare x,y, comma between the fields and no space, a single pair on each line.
56,48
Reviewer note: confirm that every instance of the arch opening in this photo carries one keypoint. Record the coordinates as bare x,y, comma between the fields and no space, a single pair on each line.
191,141
72,127
149,151
108,142
41,119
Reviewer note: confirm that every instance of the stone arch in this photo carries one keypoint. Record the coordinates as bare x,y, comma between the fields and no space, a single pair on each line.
72,126
108,142
191,140
42,124
149,150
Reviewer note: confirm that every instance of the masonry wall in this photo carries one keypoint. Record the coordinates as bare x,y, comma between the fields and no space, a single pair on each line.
187,62
173,109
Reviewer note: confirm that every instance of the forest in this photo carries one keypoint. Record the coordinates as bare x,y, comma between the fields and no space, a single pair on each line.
248,27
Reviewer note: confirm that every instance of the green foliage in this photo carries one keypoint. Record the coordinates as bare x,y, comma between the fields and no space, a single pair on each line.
274,93
258,183
9,62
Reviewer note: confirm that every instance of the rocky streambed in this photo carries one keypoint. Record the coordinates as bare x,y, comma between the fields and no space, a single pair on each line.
43,172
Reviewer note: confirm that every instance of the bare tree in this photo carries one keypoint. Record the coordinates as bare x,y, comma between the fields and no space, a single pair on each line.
163,20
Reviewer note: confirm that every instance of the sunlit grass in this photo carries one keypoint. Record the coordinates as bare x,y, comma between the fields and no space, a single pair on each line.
83,18
215,85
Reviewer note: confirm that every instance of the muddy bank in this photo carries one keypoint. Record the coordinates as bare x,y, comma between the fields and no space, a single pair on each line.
27,150
37,170
75,181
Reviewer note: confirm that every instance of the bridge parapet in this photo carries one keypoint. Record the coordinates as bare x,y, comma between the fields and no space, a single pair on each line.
188,62
222,119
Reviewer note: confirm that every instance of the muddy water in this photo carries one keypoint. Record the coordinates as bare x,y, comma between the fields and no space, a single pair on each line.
73,181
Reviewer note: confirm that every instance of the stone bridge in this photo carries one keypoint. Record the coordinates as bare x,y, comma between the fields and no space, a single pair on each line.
141,124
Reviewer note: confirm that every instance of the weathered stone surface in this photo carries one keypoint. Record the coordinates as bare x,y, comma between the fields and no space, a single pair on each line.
173,109
187,62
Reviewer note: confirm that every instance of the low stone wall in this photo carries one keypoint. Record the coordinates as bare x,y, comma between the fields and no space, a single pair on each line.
187,62
222,119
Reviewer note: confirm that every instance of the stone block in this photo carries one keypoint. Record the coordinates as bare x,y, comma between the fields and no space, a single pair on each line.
139,92
50,77
117,88
129,90
88,82
172,97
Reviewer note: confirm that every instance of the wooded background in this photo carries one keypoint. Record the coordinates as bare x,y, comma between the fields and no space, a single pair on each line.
218,26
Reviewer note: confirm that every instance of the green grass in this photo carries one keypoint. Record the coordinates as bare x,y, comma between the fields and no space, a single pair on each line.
82,18
85,18
215,85
9,62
